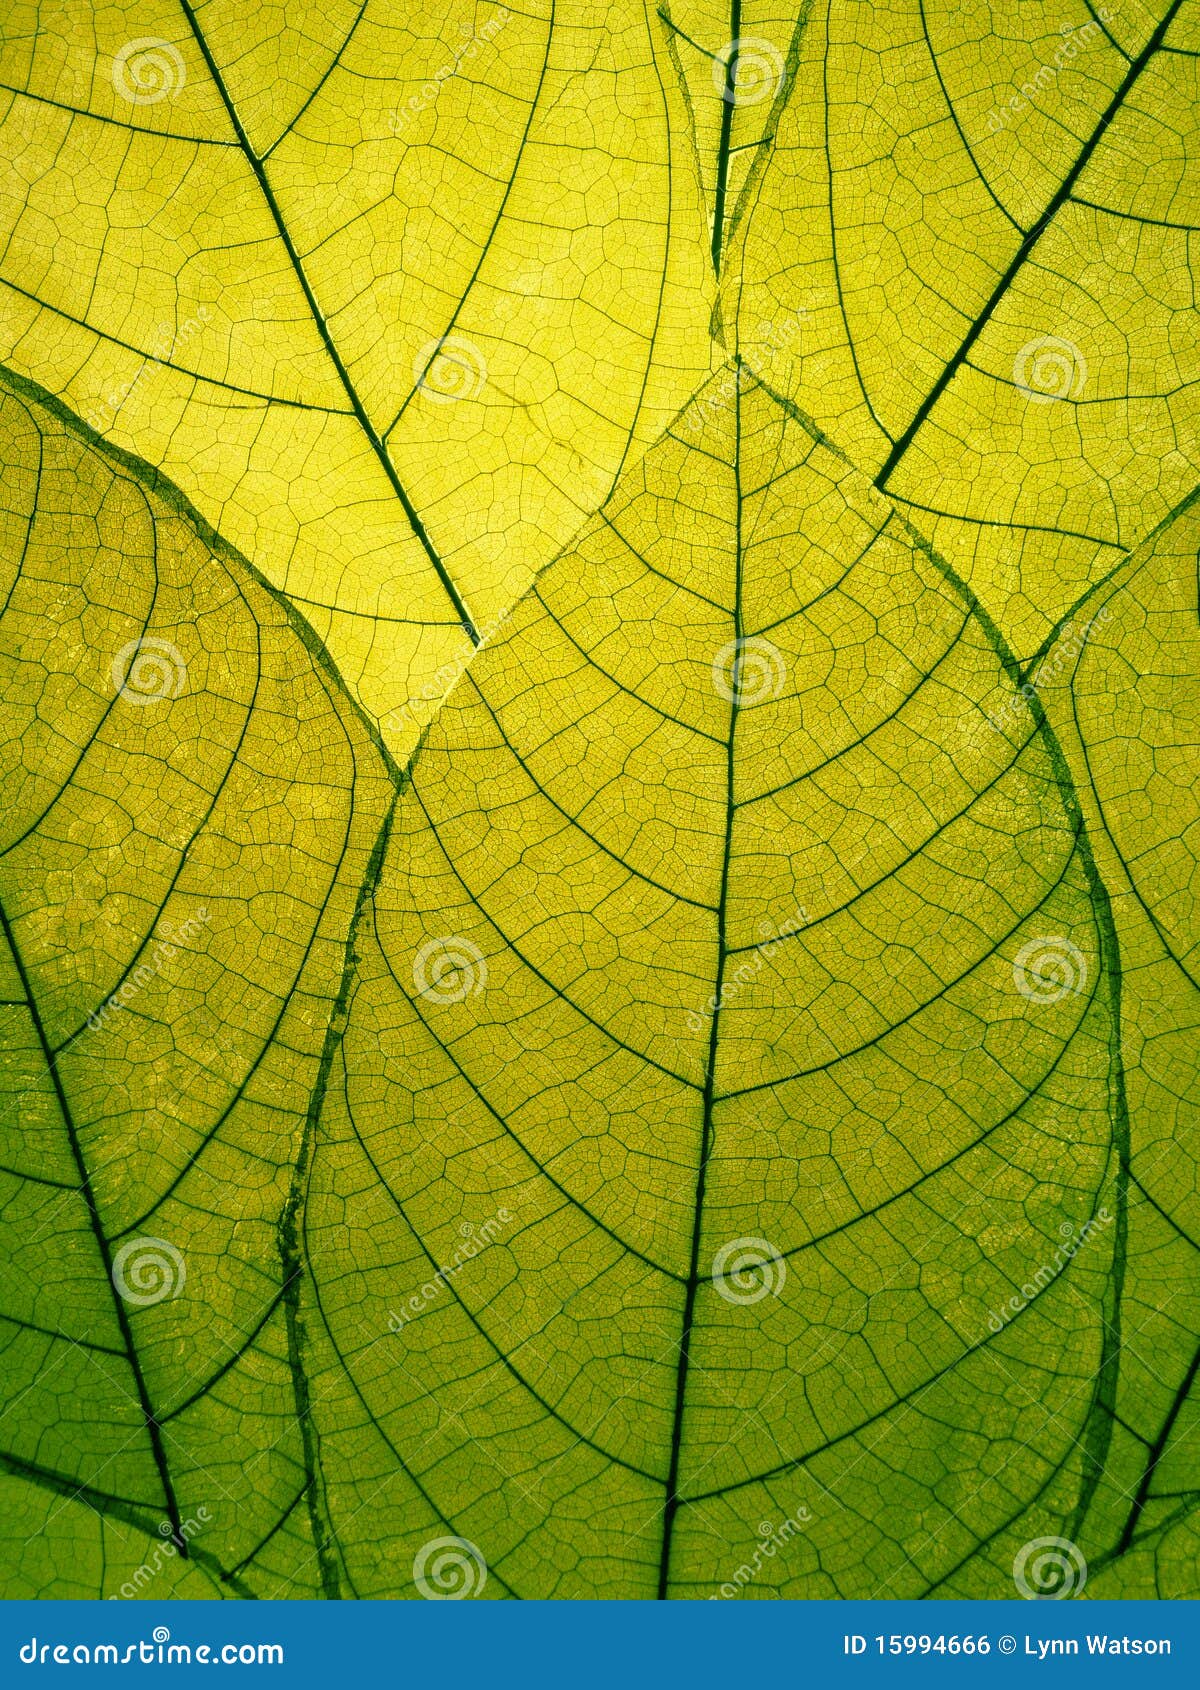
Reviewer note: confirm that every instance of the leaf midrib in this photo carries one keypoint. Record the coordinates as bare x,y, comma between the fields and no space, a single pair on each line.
1030,240
370,432
710,1070
85,1188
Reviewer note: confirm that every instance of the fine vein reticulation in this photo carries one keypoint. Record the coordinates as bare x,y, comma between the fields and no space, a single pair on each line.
609,1077
599,649
425,355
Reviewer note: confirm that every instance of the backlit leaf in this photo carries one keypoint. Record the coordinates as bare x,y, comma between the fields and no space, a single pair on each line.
598,891
987,217
190,807
801,964
1121,682
391,295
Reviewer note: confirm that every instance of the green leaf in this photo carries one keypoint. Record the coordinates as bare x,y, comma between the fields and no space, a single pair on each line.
1119,681
391,305
986,219
190,808
88,1545
721,1119
669,968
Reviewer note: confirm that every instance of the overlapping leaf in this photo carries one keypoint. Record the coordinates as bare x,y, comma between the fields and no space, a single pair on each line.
390,295
988,218
670,961
734,67
190,807
1121,683
730,1130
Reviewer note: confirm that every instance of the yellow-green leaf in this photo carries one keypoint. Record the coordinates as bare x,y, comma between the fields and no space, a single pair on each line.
391,300
191,804
719,926
720,1120
736,87
986,216
1120,683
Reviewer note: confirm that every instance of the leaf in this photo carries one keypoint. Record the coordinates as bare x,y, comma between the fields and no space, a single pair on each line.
191,804
266,259
986,219
721,1119
1120,680
668,968
63,1548
735,90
